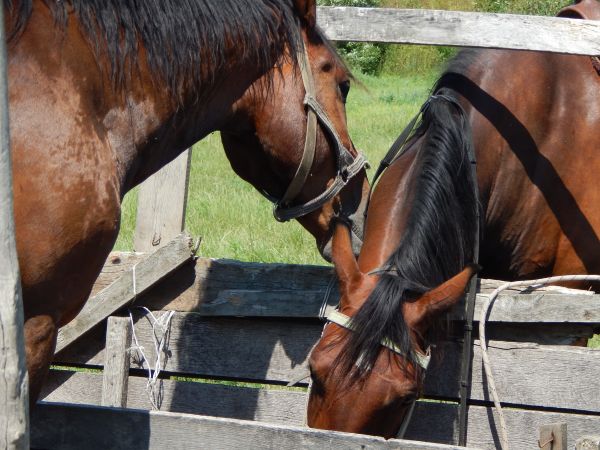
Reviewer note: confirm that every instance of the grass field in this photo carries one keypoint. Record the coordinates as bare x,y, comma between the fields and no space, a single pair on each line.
236,222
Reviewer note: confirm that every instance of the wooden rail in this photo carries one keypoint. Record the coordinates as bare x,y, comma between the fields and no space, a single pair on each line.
461,29
14,417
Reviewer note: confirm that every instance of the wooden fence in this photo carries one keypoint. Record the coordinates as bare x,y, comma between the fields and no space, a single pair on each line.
255,324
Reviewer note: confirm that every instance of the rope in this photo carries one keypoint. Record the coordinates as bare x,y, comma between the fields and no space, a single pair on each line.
162,325
532,284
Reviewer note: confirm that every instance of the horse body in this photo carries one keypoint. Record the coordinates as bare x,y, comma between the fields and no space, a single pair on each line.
535,139
532,120
96,108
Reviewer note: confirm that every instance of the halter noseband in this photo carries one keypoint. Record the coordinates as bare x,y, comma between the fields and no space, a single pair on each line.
344,321
348,166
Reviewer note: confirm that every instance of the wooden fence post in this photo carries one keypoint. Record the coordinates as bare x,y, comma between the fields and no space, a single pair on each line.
161,205
553,436
14,385
116,362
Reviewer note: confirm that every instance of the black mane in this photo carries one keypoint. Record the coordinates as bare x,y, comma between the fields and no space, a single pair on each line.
186,42
438,240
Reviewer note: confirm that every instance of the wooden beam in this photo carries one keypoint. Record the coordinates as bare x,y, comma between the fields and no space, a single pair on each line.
232,288
65,427
461,29
125,289
161,207
14,387
277,351
116,362
553,437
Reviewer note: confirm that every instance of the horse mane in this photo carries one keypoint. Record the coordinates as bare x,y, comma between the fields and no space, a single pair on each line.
187,44
437,243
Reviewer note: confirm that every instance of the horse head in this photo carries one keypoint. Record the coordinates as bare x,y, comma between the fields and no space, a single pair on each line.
289,137
375,399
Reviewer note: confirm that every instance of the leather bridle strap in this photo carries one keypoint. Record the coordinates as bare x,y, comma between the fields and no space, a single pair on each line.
344,321
310,141
348,165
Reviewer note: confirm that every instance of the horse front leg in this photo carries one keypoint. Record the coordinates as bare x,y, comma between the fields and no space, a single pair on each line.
40,341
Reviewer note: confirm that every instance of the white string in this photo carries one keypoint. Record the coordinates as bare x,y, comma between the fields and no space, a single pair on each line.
134,277
532,284
162,325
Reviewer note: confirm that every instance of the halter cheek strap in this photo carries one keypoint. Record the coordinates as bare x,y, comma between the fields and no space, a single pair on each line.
348,166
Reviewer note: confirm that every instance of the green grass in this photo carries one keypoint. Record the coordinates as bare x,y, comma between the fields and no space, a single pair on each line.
236,222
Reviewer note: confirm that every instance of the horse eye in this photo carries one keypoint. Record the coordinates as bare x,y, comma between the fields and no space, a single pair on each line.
344,89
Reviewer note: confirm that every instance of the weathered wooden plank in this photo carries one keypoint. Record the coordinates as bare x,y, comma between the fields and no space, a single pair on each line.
526,374
461,29
435,422
115,266
267,405
62,427
14,418
124,290
116,362
58,425
277,351
161,205
234,288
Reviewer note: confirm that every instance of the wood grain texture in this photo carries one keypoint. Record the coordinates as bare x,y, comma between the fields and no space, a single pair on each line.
116,362
277,351
14,388
69,426
461,29
232,288
553,437
588,443
161,207
62,427
434,422
121,292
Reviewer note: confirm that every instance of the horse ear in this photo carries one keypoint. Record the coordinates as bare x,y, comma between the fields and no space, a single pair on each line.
307,10
346,266
420,313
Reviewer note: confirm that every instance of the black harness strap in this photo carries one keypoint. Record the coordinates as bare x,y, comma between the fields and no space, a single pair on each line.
467,353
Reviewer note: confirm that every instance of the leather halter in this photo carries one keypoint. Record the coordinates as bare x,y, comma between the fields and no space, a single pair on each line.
344,321
348,166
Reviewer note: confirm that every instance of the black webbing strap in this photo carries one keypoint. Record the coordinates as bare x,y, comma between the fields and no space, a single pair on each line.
467,353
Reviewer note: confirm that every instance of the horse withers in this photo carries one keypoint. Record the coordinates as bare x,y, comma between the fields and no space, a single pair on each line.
532,120
105,93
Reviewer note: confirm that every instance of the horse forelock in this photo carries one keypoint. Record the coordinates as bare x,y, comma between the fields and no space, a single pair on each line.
437,241
187,44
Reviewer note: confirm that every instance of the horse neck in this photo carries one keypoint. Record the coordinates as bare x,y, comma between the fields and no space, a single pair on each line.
388,213
171,127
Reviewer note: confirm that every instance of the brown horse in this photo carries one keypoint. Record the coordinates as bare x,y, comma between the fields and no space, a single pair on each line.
104,93
534,119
